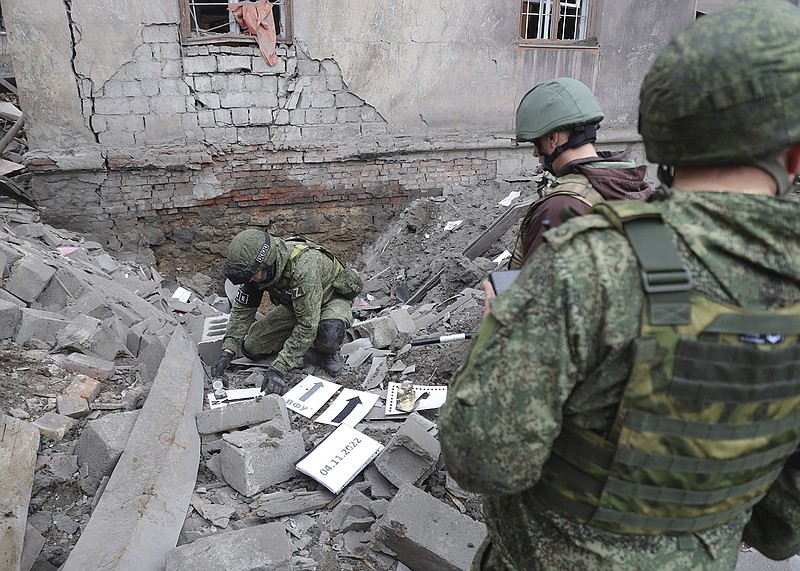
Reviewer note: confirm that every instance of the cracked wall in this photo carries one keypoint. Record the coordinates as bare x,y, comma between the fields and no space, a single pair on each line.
141,141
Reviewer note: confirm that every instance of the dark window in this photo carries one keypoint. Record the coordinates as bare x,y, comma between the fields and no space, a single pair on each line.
206,19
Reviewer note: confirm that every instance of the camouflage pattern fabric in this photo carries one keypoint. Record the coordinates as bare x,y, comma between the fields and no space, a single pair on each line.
313,279
737,95
574,190
555,350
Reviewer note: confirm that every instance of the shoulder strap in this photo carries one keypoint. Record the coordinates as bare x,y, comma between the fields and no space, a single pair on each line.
665,280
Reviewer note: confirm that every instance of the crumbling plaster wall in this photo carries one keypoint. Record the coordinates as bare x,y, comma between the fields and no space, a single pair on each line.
142,142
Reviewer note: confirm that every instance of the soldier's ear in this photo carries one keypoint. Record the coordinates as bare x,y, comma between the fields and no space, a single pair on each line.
793,161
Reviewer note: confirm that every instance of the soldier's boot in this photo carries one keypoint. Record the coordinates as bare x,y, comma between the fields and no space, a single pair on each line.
332,363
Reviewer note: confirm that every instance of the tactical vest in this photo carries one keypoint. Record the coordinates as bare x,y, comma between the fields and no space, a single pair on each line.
710,413
344,281
574,185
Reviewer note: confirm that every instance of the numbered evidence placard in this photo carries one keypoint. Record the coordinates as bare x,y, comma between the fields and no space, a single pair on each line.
434,399
340,458
348,408
309,395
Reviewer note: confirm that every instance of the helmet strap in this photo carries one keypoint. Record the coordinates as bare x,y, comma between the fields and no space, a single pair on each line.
776,170
580,135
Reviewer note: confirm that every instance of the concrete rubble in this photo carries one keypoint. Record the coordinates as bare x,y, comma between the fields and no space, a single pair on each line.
115,349
105,363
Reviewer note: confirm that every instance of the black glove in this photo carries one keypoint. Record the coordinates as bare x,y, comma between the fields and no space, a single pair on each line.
221,364
273,382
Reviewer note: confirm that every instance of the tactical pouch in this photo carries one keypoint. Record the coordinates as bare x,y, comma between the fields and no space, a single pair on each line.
348,283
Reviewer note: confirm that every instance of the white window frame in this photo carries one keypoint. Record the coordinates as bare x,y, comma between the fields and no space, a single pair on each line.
547,17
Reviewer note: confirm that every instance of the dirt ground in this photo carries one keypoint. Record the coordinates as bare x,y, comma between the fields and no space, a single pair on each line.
418,244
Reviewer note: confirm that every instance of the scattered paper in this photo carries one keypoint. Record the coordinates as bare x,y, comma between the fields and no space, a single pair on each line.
349,408
182,294
435,398
340,458
452,225
66,250
502,257
310,395
509,199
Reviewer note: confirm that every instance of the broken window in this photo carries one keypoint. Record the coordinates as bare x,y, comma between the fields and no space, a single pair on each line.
568,20
208,20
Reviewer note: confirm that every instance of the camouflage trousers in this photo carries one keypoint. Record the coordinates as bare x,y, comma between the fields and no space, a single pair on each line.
267,336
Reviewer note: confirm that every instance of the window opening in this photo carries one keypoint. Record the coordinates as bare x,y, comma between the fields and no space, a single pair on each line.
554,20
209,19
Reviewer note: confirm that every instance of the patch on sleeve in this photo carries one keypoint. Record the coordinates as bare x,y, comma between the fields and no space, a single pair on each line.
249,295
297,291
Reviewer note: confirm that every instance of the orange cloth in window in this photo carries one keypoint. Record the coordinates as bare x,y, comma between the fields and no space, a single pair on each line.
256,19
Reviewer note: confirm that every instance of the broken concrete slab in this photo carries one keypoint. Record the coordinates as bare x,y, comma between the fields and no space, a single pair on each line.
42,325
88,335
381,330
19,442
29,277
377,373
260,457
239,414
142,510
34,541
10,318
101,444
352,513
447,542
53,425
72,406
280,504
94,367
260,548
411,454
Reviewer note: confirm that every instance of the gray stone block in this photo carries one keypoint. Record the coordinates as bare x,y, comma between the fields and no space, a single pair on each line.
260,548
381,330
427,534
10,318
262,456
101,444
239,414
411,454
210,346
42,325
88,335
62,290
29,278
352,513
53,425
94,367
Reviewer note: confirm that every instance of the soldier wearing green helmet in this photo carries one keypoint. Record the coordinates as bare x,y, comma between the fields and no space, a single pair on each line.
313,294
561,117
632,401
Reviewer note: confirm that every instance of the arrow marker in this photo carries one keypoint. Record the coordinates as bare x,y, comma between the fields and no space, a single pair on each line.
314,388
350,407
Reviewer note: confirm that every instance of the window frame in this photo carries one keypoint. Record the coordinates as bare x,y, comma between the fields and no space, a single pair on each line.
590,41
228,38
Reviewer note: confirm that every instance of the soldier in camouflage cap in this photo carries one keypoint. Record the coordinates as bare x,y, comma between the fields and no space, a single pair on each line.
632,401
313,293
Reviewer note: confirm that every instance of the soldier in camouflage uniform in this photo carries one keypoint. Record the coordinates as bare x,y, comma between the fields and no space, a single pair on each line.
313,293
560,117
632,401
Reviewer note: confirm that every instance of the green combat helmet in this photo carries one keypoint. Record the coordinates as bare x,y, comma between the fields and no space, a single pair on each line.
250,251
737,98
559,104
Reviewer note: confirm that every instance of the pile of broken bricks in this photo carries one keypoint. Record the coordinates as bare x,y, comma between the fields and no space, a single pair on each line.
209,486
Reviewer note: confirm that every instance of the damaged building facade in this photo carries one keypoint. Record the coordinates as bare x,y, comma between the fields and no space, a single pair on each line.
159,125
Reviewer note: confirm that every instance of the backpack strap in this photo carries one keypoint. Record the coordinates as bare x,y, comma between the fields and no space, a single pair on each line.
666,282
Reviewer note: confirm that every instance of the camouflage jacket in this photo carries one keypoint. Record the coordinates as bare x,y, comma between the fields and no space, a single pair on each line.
555,350
303,284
